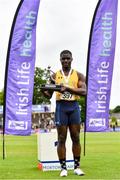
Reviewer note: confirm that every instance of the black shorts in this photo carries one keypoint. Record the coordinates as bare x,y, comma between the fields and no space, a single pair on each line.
67,112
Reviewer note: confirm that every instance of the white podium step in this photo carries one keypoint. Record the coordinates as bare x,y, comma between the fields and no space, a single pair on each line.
47,151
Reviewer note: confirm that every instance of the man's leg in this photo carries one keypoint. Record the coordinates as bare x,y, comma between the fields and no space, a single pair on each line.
76,147
61,149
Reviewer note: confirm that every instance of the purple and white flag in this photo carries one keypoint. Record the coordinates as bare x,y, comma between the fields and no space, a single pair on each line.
100,65
20,69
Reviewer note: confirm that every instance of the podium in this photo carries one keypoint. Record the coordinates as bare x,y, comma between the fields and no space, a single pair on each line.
47,151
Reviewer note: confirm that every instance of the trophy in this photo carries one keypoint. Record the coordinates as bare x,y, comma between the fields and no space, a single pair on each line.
50,86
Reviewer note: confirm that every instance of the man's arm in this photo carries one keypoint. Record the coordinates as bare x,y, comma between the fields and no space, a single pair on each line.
80,90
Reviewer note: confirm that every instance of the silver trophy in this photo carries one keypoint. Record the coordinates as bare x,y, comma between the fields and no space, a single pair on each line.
50,85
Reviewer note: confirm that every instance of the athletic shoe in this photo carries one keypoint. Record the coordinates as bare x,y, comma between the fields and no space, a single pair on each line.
63,173
78,172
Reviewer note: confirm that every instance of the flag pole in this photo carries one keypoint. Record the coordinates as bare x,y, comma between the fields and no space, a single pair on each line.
6,74
3,146
84,139
87,69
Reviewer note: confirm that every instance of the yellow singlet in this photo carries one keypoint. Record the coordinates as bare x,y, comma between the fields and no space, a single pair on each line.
72,82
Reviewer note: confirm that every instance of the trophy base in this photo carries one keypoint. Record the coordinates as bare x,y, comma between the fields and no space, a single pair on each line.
52,87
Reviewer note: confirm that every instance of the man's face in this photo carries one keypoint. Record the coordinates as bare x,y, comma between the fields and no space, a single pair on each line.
66,60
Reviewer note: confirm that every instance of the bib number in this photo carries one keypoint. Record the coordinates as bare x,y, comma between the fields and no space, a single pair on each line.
66,96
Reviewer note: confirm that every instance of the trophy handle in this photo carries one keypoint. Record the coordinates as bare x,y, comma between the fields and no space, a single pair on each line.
52,87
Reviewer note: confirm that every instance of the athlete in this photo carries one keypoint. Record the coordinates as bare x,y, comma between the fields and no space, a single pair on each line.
67,115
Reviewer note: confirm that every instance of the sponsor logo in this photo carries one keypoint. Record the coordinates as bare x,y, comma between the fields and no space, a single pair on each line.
56,166
97,122
17,125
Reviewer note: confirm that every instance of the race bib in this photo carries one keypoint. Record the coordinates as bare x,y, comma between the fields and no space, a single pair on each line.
67,96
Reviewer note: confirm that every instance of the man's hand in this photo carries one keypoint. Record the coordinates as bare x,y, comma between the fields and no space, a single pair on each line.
47,94
63,89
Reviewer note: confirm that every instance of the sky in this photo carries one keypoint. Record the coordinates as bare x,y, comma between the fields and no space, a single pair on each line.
62,24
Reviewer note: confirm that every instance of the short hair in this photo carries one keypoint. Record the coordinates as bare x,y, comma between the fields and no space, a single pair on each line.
65,52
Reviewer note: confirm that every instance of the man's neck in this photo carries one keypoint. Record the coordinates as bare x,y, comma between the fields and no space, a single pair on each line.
66,70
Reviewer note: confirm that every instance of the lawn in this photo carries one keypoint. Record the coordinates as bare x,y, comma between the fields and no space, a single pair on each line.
102,159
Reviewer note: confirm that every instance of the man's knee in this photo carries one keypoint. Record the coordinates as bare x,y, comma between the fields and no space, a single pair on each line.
61,139
75,138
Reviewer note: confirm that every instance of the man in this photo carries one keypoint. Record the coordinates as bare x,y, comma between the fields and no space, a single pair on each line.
67,113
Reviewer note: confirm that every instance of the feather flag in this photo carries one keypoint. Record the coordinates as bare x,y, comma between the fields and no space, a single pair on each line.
100,65
19,77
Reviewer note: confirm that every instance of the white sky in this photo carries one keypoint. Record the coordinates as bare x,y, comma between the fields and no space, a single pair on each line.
62,24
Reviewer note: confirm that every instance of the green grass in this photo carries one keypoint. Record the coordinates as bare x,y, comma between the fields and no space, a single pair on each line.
102,159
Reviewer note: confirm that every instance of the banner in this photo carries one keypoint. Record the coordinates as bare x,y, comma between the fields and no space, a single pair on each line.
19,78
100,65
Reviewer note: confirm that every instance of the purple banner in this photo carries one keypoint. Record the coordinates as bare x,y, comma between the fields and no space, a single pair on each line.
100,65
20,69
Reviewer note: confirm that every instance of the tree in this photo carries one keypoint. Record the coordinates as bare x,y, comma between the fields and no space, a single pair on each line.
1,97
40,77
113,119
116,109
114,122
81,102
